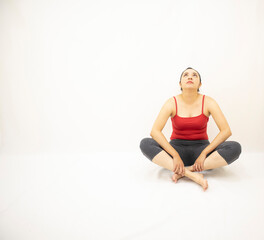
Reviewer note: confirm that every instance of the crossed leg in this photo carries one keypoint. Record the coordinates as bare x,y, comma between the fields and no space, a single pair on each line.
214,160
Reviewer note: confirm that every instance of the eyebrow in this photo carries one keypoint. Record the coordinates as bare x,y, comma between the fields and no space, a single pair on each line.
187,72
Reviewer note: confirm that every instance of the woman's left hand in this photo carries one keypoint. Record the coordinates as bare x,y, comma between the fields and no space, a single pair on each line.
199,163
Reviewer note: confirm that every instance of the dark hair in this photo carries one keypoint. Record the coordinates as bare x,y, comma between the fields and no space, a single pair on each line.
194,70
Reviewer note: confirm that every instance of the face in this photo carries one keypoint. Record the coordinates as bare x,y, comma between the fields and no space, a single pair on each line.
190,80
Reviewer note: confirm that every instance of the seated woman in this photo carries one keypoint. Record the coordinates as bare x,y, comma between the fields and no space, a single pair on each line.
189,145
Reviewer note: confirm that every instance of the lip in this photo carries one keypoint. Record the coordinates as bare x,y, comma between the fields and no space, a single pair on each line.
189,82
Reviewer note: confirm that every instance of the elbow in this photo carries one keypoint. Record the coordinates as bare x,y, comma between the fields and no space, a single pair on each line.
229,132
152,133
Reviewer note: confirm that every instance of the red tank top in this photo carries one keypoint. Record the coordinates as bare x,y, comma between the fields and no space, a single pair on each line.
190,128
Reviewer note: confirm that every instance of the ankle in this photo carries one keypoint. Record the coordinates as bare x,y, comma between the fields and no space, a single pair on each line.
190,168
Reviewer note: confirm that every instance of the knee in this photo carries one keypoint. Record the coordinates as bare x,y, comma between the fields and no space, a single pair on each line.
230,151
145,144
149,147
237,149
235,152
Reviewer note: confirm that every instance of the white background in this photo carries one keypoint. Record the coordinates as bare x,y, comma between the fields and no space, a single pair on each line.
82,82
81,76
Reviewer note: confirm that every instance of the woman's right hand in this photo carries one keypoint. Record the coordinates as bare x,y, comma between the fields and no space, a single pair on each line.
178,166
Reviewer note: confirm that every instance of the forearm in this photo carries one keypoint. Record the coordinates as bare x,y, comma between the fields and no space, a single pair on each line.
162,141
220,138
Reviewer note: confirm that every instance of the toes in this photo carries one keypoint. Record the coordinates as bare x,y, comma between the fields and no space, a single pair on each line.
174,179
205,185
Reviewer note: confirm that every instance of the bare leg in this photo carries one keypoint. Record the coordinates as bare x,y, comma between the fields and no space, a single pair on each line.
215,160
176,176
163,159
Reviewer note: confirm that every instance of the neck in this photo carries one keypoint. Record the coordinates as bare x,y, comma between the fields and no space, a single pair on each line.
189,96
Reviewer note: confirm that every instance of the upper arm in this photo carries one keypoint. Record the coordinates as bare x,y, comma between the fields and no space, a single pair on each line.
218,115
163,116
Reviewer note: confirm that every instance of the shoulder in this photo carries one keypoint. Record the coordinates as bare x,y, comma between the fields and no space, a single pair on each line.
171,101
173,98
211,103
209,99
169,105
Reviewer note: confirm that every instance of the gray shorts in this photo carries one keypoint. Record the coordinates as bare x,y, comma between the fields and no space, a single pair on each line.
189,150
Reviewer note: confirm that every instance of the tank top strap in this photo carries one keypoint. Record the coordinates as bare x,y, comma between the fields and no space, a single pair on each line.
203,104
175,105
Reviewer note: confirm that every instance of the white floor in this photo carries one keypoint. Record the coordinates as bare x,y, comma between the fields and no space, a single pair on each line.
125,196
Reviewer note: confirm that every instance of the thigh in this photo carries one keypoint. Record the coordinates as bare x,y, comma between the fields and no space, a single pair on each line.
149,147
229,150
194,151
183,152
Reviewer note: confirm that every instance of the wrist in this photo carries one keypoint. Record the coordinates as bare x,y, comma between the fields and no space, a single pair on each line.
204,152
176,158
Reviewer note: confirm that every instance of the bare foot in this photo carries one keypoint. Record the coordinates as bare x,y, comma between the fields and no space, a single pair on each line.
176,176
201,181
204,184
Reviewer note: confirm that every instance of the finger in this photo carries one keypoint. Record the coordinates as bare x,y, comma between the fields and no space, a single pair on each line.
174,168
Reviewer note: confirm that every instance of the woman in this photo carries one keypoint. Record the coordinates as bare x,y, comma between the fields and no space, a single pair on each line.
189,145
